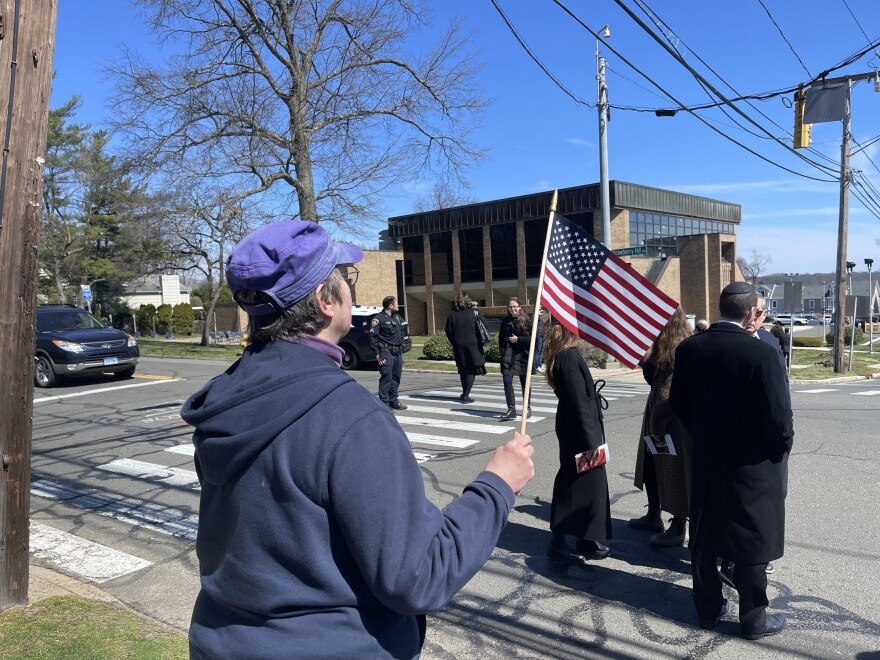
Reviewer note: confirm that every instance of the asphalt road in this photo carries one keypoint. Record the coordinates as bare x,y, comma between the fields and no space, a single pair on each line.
111,468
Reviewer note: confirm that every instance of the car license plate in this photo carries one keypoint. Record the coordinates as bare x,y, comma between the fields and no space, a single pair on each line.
109,361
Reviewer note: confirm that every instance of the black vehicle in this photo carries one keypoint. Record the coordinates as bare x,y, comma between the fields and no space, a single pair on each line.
72,342
356,343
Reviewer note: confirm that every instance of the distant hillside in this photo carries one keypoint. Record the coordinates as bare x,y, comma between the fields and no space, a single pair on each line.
816,278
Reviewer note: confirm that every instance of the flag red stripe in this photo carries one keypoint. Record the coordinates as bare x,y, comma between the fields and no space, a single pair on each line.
663,308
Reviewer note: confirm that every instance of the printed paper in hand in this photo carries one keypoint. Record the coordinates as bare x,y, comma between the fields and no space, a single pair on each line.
660,444
588,460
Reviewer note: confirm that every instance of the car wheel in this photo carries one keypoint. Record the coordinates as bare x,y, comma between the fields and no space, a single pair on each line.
44,374
128,373
350,359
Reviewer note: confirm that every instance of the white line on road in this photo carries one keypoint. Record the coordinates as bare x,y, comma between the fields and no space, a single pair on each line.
452,424
868,393
175,522
46,399
472,412
814,391
152,472
91,560
186,450
481,399
422,458
439,440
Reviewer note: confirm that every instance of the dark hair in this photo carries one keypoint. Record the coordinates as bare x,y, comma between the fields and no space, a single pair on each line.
301,318
462,301
673,333
557,338
520,323
387,301
736,306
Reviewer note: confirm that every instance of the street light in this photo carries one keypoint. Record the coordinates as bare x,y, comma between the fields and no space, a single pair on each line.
790,295
602,107
850,265
868,264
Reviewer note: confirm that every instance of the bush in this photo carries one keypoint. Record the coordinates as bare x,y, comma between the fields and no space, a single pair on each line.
437,347
847,333
163,318
492,352
183,317
145,315
807,342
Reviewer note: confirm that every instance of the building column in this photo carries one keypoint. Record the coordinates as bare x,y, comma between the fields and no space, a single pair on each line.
522,294
487,266
456,263
429,288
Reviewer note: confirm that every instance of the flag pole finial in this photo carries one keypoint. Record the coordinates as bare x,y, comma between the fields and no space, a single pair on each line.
553,201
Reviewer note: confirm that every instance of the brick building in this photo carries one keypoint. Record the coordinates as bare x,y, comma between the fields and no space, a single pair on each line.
684,244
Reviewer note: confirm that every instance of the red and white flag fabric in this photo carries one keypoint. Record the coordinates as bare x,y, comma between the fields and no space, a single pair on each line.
598,296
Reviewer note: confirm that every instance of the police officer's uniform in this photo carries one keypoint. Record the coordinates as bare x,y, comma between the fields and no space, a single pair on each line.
387,335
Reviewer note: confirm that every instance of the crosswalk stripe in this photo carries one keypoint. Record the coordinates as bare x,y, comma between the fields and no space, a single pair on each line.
168,520
422,458
153,472
470,412
453,424
820,391
479,405
46,399
91,560
186,450
439,440
447,395
867,393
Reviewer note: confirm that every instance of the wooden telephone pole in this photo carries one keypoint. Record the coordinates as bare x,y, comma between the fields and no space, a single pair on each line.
27,46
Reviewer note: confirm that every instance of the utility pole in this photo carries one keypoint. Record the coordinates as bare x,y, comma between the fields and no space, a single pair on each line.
27,37
604,192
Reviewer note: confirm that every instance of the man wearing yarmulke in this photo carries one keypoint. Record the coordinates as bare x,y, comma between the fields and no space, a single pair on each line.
730,391
315,536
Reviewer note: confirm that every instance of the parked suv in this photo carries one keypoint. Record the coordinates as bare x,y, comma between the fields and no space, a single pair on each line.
72,342
786,319
356,343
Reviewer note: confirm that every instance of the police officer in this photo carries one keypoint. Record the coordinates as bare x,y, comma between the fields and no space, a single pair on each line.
387,334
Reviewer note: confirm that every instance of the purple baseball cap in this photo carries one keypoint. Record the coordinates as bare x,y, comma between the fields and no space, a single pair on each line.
285,260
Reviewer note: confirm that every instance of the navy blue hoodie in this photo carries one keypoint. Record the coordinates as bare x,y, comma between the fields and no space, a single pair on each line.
315,536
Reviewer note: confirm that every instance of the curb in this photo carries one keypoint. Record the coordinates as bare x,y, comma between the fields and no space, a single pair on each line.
836,379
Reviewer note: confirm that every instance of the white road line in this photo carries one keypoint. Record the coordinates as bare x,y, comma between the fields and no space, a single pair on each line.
480,404
77,555
439,440
482,396
171,476
867,393
814,391
186,450
47,399
180,523
423,458
455,425
471,412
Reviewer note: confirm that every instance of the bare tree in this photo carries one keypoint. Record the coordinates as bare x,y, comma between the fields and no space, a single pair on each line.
320,96
755,266
442,196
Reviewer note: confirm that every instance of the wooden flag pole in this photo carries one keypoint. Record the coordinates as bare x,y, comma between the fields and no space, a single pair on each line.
527,395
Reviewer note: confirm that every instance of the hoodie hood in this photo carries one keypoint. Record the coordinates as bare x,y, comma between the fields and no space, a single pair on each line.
241,412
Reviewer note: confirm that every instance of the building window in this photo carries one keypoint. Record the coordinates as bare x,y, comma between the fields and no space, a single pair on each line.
441,257
812,304
503,239
658,232
470,244
414,253
536,236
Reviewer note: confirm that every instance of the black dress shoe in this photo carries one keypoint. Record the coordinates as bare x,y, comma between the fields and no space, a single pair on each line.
775,623
397,405
559,551
509,415
465,399
586,549
709,624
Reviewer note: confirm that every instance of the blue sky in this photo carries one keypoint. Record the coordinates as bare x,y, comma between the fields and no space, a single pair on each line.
541,139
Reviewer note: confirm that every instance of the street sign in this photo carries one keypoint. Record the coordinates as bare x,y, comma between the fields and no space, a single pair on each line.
638,251
86,291
793,299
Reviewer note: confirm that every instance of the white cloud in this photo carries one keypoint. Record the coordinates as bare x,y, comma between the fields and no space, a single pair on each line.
580,142
763,186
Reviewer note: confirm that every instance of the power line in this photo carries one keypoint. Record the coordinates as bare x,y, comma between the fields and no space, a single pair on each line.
773,20
867,38
861,148
680,104
537,61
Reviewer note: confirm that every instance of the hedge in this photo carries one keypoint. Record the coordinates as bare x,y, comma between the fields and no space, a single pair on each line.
847,333
807,342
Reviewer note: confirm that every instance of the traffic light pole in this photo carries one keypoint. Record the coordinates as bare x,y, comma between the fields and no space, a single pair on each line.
842,224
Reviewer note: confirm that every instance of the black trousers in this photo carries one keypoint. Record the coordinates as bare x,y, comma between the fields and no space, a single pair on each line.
750,581
389,376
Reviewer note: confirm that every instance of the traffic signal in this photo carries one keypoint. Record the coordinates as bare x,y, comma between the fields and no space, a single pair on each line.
801,130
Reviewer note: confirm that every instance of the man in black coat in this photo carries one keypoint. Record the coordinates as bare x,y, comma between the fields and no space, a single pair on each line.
729,390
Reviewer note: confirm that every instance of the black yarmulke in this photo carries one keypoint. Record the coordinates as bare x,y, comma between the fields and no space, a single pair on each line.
737,288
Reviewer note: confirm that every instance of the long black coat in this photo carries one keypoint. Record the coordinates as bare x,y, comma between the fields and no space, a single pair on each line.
581,506
461,330
514,356
729,390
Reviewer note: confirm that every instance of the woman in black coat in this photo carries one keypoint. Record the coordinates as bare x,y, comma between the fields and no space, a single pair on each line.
513,344
462,332
581,506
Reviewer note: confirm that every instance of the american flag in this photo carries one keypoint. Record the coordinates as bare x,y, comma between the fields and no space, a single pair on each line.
596,295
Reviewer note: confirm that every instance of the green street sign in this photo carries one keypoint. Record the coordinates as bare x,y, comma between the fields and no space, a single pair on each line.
631,251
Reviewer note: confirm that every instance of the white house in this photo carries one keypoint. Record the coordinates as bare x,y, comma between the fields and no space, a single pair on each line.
155,290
